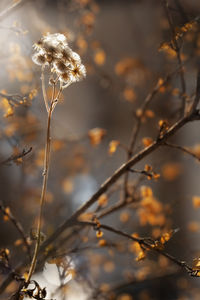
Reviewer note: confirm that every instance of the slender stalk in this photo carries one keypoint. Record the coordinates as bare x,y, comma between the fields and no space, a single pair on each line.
44,90
44,185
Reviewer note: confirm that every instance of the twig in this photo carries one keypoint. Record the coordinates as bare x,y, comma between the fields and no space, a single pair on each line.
135,283
18,226
15,157
177,49
13,99
181,11
143,242
116,207
137,126
44,90
197,95
183,149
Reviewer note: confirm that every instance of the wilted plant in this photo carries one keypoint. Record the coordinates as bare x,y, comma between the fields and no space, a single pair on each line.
65,67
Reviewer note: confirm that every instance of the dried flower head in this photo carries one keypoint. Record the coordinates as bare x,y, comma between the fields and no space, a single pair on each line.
52,51
39,58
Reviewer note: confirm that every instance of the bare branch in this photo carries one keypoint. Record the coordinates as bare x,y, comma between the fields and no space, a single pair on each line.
15,157
13,99
18,226
197,96
177,48
183,149
137,126
144,242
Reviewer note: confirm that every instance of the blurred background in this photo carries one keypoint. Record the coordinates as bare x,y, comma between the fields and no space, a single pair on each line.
121,45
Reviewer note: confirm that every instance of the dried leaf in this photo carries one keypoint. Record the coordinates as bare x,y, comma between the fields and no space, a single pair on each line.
141,256
147,141
193,226
68,186
103,200
99,233
124,217
129,95
6,216
102,243
96,135
100,57
113,146
196,201
124,297
171,171
196,264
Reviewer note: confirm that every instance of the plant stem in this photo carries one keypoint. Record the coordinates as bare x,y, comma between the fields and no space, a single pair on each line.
44,184
44,90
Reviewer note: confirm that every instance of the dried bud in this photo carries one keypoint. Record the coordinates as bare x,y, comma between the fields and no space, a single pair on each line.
39,59
60,66
78,72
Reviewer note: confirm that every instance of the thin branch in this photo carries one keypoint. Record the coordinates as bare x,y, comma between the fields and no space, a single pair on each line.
44,90
137,126
181,11
183,149
143,242
116,207
13,99
18,227
135,283
177,48
197,95
15,157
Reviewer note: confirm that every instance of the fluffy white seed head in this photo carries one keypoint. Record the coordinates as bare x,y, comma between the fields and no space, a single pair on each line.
52,50
78,72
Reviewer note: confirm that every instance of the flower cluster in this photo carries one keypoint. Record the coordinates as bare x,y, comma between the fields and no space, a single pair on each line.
52,50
